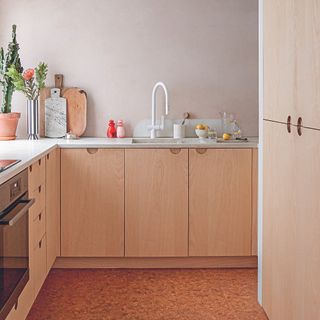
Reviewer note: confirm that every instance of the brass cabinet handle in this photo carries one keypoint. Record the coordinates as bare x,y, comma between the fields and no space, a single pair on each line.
299,126
289,124
175,151
201,150
92,150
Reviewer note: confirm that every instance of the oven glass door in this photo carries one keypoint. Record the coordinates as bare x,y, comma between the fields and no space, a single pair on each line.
14,252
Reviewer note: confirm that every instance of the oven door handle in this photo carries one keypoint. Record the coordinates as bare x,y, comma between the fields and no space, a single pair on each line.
17,212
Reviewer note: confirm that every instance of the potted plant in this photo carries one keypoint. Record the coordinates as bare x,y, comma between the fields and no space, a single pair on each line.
30,82
9,120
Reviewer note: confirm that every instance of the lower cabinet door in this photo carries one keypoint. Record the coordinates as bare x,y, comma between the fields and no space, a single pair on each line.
291,220
92,202
156,202
220,202
39,267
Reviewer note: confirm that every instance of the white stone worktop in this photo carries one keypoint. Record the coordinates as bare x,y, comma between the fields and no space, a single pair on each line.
30,151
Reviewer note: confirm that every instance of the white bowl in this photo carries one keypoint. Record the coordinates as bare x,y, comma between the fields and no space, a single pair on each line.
202,134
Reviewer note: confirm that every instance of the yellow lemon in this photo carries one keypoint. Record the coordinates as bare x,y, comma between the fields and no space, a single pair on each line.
226,136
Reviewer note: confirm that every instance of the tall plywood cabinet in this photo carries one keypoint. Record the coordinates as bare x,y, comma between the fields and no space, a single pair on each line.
92,202
291,203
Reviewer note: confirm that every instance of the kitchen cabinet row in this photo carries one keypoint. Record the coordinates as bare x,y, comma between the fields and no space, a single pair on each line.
44,228
158,202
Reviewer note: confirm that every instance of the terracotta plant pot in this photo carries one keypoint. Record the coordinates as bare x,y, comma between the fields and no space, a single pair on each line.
8,125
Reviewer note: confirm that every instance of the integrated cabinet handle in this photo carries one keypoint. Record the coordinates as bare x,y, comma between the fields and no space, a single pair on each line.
175,151
30,168
299,126
289,124
201,150
40,244
92,150
40,216
48,156
39,189
39,162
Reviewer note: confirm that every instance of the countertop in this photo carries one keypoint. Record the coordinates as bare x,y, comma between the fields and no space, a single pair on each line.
30,151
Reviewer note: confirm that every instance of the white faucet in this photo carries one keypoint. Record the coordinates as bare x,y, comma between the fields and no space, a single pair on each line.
154,127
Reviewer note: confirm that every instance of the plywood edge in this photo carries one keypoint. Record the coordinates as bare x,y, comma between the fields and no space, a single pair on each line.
159,263
254,199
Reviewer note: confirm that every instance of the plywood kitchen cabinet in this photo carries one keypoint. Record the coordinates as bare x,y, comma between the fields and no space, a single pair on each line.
92,202
291,61
156,202
220,202
291,220
52,206
279,60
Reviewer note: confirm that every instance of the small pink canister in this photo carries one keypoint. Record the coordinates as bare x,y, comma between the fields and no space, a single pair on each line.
121,132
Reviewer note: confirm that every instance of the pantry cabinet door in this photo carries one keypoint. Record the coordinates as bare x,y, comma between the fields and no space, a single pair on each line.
220,194
92,202
280,223
156,193
53,206
279,57
308,62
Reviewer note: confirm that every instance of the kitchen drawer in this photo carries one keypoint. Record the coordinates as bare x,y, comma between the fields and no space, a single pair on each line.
37,174
39,194
40,264
38,228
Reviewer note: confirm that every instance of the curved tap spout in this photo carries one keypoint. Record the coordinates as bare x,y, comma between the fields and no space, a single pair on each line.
155,127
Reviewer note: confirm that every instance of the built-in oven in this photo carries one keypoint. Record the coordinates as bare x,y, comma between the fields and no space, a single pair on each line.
14,240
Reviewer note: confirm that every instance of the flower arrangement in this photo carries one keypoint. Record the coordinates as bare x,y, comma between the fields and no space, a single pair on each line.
31,81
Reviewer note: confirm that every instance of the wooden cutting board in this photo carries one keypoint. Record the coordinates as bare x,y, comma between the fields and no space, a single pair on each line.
76,110
76,107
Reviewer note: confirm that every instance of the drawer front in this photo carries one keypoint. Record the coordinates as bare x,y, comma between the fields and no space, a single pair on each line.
38,228
39,194
40,264
37,174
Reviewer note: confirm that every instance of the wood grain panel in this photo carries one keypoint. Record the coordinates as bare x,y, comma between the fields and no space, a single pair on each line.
92,202
53,206
220,202
307,21
156,191
254,245
280,65
280,224
173,262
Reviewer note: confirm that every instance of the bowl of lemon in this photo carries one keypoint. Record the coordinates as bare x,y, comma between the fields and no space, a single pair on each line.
202,131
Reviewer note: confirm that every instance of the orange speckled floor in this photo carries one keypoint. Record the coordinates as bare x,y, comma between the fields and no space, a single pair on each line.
103,294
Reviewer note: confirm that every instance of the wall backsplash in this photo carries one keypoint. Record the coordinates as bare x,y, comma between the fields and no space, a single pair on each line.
206,51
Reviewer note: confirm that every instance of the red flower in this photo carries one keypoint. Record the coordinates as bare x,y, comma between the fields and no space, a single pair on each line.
28,74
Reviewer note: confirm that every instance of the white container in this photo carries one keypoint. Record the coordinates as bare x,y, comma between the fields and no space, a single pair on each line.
179,131
202,134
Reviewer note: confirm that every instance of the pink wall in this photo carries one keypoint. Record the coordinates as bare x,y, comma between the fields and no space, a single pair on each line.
206,51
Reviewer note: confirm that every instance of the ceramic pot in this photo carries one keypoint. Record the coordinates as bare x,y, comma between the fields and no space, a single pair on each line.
8,125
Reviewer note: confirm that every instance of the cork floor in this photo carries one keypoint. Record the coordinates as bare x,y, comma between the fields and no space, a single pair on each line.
148,295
